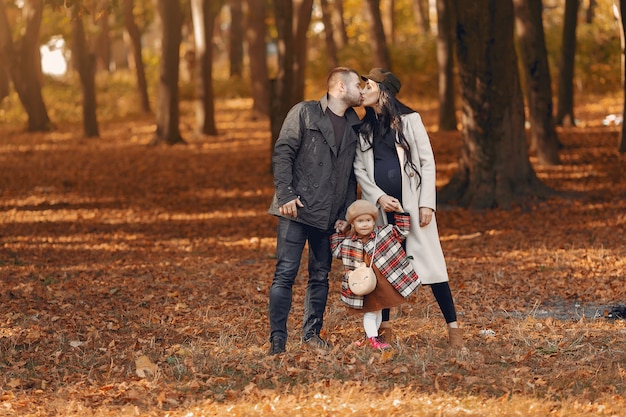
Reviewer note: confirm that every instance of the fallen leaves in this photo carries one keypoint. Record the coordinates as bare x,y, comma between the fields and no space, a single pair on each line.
135,282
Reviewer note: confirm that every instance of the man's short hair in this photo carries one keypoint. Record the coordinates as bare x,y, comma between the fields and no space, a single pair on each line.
339,74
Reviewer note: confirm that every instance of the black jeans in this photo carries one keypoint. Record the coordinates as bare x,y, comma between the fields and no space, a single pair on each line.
290,241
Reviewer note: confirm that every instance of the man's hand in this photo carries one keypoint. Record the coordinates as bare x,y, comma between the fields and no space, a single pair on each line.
290,209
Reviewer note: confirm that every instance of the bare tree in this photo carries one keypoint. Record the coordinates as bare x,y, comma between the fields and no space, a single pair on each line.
24,67
255,37
378,41
4,79
329,34
236,36
302,19
420,11
136,60
388,19
281,99
167,112
102,48
203,16
339,25
445,62
534,59
494,168
591,11
622,20
565,105
85,63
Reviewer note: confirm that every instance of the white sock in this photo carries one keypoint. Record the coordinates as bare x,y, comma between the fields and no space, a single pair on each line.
371,322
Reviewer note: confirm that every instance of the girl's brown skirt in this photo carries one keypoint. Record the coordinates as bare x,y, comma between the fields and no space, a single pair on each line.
383,296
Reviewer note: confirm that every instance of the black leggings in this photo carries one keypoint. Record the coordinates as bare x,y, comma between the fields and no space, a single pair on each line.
443,295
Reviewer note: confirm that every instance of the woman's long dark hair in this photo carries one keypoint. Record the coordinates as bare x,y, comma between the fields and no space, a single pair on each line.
374,125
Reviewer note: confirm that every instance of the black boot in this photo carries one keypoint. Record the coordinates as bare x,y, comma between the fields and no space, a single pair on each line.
278,346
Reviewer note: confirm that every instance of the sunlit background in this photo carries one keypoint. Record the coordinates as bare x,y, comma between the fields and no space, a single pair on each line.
53,60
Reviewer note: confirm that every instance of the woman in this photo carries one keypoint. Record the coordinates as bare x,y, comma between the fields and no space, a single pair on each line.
395,166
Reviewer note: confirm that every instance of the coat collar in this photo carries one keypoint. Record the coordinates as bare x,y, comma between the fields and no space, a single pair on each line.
355,237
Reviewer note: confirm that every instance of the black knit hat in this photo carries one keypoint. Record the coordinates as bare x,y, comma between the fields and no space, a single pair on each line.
385,77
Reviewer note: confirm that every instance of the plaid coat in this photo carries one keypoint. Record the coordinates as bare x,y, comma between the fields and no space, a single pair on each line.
390,258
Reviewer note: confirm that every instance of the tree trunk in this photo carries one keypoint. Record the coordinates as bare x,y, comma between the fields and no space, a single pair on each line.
329,37
445,62
378,41
236,39
137,61
85,63
534,58
4,79
591,11
565,106
622,20
494,169
420,10
255,36
280,93
388,19
302,20
167,112
24,65
339,25
203,25
103,41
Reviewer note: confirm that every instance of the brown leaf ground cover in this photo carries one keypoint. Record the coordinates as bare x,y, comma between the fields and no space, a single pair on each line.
134,281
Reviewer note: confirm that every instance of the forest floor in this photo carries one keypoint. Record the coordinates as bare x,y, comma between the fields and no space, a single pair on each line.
134,281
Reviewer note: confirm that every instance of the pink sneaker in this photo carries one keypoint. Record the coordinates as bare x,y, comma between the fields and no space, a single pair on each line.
377,342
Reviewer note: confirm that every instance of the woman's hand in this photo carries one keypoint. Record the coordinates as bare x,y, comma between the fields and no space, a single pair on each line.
426,216
389,204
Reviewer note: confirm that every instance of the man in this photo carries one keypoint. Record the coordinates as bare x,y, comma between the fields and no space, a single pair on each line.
314,184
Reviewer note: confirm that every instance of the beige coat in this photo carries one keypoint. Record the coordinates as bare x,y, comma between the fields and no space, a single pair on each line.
422,243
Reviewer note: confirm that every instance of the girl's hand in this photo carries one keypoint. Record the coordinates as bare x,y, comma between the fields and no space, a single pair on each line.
342,226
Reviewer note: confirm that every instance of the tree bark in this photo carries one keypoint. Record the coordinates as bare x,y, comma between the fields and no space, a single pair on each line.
622,140
420,10
24,65
203,24
236,39
339,25
255,36
4,79
591,11
85,63
565,106
280,93
103,41
302,20
494,169
378,41
329,36
167,112
538,85
445,62
388,19
137,61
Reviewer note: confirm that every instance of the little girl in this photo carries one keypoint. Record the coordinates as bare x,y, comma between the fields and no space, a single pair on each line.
395,277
